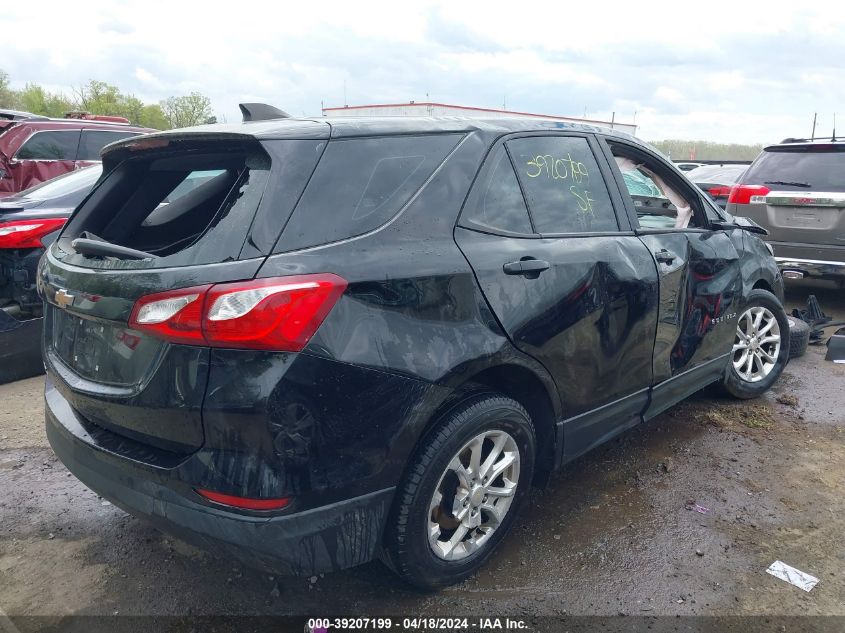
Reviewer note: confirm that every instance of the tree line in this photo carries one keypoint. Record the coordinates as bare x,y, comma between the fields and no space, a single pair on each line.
677,149
99,97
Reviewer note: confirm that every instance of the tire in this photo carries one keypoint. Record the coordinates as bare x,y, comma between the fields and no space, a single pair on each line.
799,337
433,564
760,374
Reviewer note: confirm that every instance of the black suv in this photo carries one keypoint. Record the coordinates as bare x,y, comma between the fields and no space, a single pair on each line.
369,336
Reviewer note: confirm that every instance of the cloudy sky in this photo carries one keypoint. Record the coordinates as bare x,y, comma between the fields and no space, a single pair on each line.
731,71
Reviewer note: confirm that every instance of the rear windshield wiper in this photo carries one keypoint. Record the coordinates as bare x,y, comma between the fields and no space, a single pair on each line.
90,244
786,183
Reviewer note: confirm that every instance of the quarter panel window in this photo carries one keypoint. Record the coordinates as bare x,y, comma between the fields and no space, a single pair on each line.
565,190
360,184
496,201
50,145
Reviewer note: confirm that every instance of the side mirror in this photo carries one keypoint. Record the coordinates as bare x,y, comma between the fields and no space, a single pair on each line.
739,223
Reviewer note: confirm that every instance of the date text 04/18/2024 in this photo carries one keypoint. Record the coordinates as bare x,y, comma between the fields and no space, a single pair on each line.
323,625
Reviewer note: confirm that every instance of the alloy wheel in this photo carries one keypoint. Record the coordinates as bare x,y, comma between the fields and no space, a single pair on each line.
757,344
473,495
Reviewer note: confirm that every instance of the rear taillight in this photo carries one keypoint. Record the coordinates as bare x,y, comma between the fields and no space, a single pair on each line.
748,194
27,233
719,192
175,315
280,313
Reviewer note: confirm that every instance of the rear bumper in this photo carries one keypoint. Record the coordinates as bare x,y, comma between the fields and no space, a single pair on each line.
327,538
795,268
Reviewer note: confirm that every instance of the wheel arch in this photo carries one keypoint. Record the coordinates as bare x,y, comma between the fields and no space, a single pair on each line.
762,284
526,383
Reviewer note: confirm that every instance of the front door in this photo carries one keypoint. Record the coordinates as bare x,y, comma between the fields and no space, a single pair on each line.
700,279
570,286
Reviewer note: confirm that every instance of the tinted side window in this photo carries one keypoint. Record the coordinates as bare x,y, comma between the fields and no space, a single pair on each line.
563,185
360,184
496,200
94,140
50,145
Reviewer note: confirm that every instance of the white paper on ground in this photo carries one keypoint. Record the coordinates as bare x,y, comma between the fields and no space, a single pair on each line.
793,576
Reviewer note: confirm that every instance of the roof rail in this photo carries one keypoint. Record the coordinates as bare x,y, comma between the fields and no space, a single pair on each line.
795,140
17,115
261,112
102,118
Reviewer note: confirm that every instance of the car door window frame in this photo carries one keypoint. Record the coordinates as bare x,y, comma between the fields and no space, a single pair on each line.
488,164
35,133
675,180
617,201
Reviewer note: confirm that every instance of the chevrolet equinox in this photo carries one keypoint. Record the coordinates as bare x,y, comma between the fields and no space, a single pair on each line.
364,338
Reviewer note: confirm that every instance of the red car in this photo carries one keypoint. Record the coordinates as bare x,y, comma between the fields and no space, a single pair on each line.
35,148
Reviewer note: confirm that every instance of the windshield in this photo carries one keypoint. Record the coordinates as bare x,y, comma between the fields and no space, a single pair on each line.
805,170
81,180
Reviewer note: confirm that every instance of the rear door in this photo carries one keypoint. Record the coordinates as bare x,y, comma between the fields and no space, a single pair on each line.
570,286
797,192
216,231
700,277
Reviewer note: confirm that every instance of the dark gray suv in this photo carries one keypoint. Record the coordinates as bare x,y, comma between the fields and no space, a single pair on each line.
796,190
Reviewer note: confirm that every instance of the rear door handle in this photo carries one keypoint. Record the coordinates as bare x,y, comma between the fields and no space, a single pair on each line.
664,256
528,266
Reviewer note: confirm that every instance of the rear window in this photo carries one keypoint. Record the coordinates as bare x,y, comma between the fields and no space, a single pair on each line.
360,184
181,208
95,140
807,170
50,145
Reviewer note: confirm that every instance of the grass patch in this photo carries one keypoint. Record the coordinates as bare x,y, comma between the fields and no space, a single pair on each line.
724,416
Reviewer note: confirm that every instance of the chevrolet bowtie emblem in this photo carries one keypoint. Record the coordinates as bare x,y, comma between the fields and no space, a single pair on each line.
63,298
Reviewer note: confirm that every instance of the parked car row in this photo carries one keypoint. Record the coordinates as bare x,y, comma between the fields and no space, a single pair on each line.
47,166
36,148
29,221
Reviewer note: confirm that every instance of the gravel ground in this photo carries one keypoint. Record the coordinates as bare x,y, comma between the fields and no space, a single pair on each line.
679,516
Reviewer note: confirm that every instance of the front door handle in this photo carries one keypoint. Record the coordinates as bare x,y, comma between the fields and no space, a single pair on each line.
664,257
527,266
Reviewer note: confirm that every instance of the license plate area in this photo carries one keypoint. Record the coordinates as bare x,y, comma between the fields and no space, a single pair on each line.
100,351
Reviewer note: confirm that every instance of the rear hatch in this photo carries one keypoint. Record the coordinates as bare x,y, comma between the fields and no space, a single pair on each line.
797,192
173,211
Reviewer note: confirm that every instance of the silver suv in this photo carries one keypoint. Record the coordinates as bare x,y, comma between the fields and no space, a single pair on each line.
796,190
